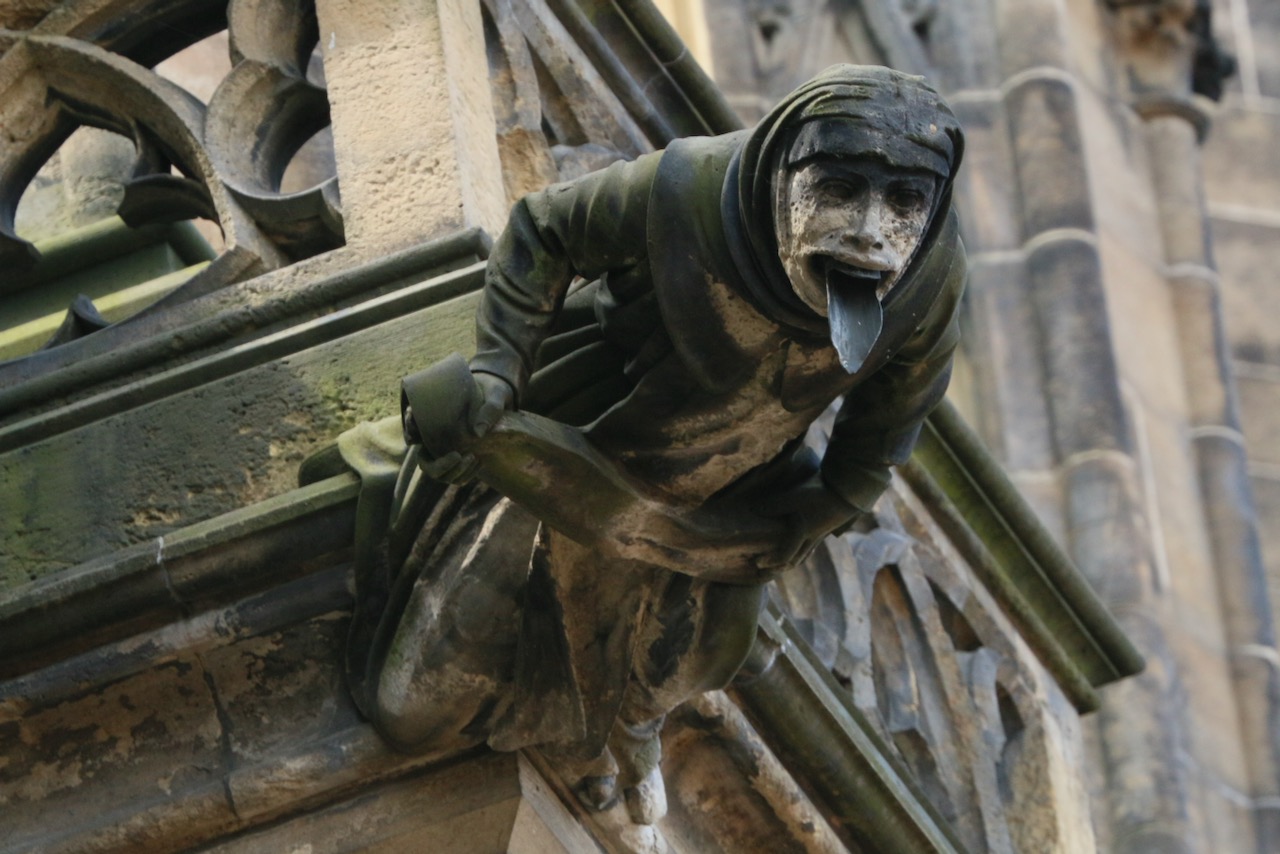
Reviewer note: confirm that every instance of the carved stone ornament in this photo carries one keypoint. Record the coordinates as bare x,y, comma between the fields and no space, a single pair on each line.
592,507
83,65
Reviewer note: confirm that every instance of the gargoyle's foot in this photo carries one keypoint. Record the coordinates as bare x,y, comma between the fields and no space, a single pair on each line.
638,749
629,767
647,800
594,781
598,793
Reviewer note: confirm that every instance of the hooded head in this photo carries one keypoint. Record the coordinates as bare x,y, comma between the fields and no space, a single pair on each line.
837,189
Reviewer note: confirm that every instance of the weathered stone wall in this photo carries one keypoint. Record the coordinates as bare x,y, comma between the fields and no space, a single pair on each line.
1242,186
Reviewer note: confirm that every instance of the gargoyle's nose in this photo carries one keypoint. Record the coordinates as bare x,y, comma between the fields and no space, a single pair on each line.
867,234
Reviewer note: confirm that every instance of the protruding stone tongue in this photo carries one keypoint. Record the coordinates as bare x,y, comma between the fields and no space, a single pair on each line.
855,316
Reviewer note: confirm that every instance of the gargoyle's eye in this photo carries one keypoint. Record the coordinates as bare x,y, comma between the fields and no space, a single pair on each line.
906,199
836,189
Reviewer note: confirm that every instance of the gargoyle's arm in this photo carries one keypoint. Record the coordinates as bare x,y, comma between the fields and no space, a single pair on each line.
879,421
581,228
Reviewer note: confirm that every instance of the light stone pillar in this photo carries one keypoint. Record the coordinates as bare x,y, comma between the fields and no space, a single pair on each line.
413,123
1159,48
1140,726
1173,132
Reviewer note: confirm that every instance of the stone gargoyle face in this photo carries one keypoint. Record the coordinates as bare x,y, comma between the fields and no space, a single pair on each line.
848,227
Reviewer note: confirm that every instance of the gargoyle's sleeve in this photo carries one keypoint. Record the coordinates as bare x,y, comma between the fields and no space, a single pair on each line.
585,227
880,419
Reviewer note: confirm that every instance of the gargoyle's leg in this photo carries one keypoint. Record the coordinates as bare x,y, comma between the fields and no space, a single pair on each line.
693,638
448,665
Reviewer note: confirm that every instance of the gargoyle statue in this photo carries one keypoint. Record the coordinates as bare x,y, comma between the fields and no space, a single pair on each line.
581,535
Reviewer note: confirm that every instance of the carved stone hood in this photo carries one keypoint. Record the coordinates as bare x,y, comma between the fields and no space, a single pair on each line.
881,109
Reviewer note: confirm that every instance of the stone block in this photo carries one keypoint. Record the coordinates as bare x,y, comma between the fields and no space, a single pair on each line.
1212,715
491,802
706,782
1266,492
413,121
1124,200
1239,157
1002,341
115,749
1030,35
284,689
1248,255
1228,820
145,471
1088,28
1053,183
1146,797
1144,326
1103,501
1260,414
1264,22
1182,562
963,47
1081,382
986,188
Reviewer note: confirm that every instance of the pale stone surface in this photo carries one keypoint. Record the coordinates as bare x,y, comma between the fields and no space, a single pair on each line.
1197,303
1264,21
1030,36
1044,124
413,121
389,207
1174,156
490,803
1144,327
199,68
987,194
82,183
1070,303
1213,713
1240,169
1260,413
1181,560
1227,816
1018,429
1120,183
1266,491
110,750
1248,253
1093,58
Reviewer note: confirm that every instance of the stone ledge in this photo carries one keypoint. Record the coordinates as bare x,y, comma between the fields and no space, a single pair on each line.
822,738
1059,615
147,342
159,580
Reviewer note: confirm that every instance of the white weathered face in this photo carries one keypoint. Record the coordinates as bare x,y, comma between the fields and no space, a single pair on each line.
851,223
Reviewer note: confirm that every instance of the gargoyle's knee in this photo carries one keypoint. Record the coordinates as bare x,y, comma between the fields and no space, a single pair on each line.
420,719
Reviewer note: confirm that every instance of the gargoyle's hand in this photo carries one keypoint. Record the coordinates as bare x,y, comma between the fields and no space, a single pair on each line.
490,397
411,434
811,512
495,396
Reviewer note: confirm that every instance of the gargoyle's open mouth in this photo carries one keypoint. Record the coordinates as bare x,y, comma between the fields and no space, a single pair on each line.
853,310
